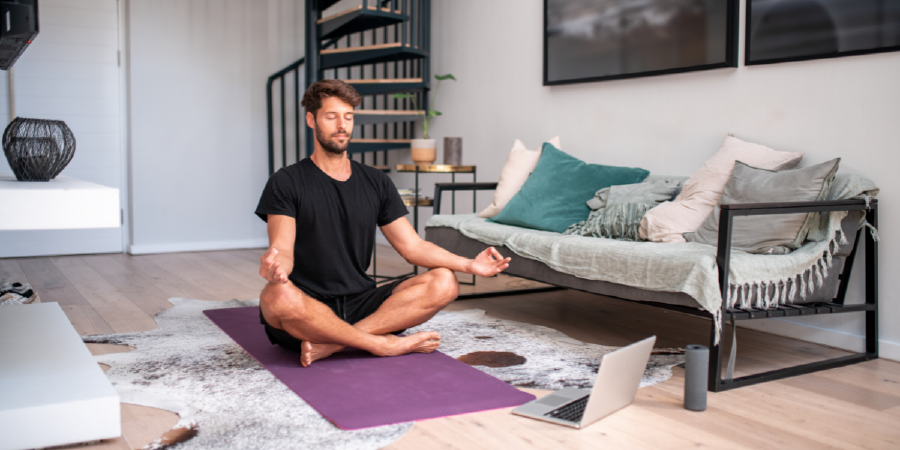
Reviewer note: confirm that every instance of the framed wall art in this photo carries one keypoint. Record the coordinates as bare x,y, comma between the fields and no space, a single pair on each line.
595,40
795,30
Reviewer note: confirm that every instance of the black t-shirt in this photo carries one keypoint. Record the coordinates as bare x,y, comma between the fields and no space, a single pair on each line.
335,223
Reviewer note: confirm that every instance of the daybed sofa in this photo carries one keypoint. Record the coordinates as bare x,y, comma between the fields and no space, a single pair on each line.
699,276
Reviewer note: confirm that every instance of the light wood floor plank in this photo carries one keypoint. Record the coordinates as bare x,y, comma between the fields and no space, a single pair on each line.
192,269
86,320
162,279
107,444
237,260
237,270
112,305
138,289
819,418
10,272
50,283
251,254
754,432
142,425
879,375
106,349
845,392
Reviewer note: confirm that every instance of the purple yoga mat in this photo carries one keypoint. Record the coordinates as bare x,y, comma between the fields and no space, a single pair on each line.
354,389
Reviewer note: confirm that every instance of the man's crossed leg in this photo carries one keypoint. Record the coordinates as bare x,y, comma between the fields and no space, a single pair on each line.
412,302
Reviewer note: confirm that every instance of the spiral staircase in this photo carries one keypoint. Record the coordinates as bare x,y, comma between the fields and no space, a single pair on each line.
380,47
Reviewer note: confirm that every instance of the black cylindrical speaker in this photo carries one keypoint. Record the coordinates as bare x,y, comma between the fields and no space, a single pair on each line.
696,374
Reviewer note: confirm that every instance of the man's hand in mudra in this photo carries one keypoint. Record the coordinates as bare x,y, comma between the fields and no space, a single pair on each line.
488,263
270,269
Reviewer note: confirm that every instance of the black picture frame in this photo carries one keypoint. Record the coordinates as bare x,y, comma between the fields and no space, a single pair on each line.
834,13
730,60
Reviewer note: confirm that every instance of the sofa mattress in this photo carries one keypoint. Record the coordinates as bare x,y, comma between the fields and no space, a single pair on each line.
454,241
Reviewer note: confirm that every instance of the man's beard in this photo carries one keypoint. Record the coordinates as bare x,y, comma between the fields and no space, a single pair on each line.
329,145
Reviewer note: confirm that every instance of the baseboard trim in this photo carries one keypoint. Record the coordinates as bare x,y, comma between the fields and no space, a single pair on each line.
62,246
847,341
144,249
889,350
28,250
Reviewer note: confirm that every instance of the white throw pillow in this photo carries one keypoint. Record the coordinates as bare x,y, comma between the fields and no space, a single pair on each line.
519,164
700,194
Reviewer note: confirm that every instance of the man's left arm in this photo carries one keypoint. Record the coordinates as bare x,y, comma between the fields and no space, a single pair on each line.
422,253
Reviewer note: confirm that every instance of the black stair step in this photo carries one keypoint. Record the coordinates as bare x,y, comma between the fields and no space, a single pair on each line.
374,145
370,54
357,19
385,169
325,4
387,86
375,116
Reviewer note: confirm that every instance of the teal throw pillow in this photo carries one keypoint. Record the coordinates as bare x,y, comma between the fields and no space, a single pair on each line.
554,195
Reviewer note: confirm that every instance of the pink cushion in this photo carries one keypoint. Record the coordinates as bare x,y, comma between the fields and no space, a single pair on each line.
700,194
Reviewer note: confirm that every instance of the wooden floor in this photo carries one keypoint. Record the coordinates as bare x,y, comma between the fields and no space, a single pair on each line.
851,407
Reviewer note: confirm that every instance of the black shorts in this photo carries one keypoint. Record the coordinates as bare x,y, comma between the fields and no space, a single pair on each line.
349,308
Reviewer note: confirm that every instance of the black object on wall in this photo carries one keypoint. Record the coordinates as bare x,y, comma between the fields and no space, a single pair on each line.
587,40
796,30
18,27
37,149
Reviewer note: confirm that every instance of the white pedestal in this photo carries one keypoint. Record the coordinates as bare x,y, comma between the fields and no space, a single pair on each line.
52,391
61,203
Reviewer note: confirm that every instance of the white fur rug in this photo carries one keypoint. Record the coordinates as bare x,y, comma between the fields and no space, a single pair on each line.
553,360
189,366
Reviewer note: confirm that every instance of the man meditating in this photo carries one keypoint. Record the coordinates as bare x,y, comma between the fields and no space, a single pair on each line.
321,214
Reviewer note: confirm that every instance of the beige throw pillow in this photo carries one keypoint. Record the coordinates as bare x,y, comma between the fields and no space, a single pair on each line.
700,195
519,164
776,234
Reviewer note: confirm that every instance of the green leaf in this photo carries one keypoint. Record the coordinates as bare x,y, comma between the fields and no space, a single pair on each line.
445,77
402,96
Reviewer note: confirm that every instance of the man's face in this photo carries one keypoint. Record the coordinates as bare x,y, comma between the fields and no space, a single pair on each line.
333,125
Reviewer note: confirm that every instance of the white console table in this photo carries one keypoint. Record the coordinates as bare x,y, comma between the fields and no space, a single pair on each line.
52,391
61,203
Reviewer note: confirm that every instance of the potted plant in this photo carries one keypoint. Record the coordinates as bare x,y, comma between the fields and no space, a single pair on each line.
424,151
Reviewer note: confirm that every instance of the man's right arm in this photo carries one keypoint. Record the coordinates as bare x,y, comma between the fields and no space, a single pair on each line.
278,261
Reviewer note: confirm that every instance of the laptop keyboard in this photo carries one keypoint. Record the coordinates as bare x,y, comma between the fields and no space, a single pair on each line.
570,411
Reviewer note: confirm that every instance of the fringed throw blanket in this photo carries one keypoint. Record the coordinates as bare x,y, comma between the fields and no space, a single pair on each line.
679,267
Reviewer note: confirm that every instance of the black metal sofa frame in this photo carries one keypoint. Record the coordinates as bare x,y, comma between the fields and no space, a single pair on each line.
728,213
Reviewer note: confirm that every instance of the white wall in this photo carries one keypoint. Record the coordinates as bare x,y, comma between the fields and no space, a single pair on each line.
70,73
198,145
845,107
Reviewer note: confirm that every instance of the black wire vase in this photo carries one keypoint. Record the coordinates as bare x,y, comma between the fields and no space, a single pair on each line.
38,149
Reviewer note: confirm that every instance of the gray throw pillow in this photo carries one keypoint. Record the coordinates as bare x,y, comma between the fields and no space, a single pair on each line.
616,211
768,234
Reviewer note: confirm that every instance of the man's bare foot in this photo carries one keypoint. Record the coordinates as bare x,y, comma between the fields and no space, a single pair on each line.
310,352
421,342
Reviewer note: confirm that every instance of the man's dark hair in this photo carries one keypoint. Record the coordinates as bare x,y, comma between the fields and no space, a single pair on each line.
320,90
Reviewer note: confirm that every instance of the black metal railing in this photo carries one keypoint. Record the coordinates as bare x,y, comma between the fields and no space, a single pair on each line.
401,43
281,77
412,34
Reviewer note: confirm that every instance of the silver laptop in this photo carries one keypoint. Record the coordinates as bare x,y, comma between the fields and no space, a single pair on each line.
615,387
